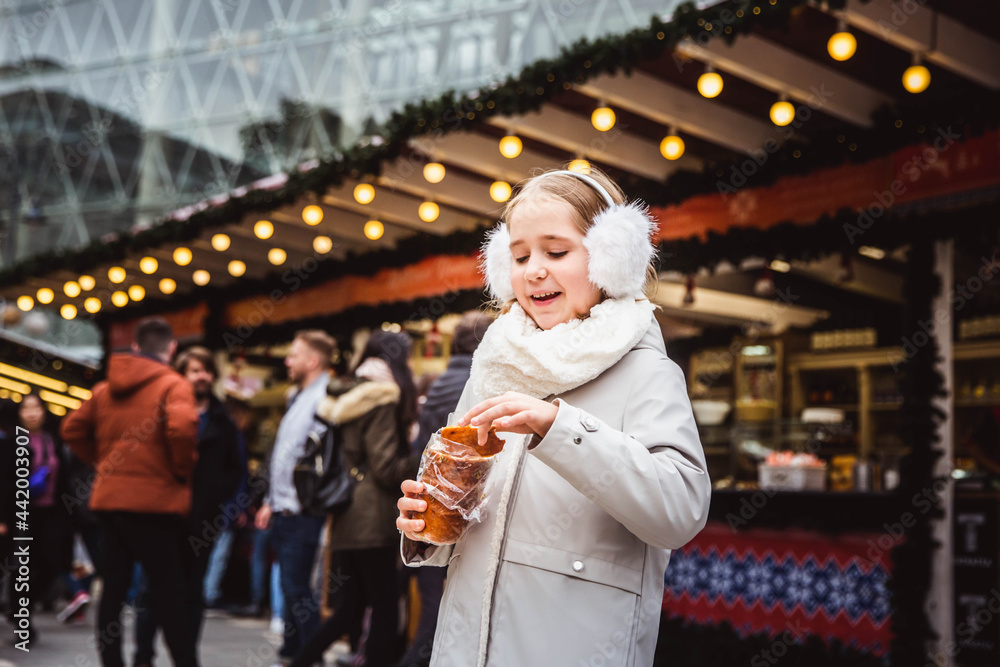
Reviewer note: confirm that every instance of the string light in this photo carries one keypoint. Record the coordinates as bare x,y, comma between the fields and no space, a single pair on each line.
201,277
148,265
322,244
236,268
603,117
364,193
71,289
434,172
916,78
263,229
25,302
312,215
221,242
87,283
500,191
168,285
116,274
782,112
710,83
374,229
429,211
842,44
137,292
45,295
119,298
580,166
510,146
68,311
92,305
182,256
277,256
672,146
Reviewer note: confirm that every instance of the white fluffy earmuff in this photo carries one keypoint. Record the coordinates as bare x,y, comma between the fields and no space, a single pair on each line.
619,244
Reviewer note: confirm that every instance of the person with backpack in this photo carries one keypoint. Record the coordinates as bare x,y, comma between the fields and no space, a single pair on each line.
294,529
371,411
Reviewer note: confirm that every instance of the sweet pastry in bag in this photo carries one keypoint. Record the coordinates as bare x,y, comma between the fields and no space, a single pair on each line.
457,467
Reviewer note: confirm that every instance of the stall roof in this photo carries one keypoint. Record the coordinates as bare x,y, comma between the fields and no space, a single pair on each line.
765,51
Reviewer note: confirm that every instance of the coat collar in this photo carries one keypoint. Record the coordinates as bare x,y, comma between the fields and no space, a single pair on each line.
347,401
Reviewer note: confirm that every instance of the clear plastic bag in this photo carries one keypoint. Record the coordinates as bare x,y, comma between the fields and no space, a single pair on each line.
455,477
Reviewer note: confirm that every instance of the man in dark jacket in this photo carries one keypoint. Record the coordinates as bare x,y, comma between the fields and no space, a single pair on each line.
138,432
442,398
217,475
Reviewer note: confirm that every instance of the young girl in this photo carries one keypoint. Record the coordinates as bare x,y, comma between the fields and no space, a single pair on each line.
609,474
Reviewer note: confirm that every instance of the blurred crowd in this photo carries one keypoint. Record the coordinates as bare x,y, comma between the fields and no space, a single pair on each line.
150,498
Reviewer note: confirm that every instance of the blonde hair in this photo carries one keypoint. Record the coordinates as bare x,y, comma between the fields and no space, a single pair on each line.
584,200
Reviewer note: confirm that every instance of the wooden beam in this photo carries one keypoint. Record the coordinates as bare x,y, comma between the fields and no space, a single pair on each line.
911,26
616,147
689,112
781,70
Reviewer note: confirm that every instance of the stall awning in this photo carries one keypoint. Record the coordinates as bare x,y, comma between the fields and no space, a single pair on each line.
436,174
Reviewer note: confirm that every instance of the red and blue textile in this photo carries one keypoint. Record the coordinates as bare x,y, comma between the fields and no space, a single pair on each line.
764,581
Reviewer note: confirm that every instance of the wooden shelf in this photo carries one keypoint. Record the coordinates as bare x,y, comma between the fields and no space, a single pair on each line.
980,349
863,358
977,402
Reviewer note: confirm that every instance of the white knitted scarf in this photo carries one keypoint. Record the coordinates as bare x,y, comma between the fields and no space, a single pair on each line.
516,355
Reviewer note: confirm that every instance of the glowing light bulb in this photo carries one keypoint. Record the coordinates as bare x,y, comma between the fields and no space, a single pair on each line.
237,268
92,305
87,283
221,242
116,274
603,118
312,215
916,78
182,256
72,289
263,229
500,191
364,193
168,285
428,211
137,292
322,244
710,84
148,265
68,311
374,229
119,298
25,302
580,166
841,45
201,277
782,113
45,295
434,172
672,147
276,256
510,146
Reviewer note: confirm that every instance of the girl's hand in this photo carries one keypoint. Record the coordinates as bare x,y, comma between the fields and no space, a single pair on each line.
512,412
411,503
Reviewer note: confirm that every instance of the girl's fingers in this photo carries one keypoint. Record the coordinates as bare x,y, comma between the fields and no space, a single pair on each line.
411,488
410,527
407,504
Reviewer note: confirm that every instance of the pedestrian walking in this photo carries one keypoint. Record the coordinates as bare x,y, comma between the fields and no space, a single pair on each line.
139,432
372,411
602,473
295,533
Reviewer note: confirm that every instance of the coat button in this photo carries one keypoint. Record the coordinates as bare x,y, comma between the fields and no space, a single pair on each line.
577,565
589,423
577,440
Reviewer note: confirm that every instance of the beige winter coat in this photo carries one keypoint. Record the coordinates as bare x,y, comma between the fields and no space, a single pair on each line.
618,481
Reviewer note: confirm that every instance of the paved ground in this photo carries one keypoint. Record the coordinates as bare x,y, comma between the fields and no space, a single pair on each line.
226,642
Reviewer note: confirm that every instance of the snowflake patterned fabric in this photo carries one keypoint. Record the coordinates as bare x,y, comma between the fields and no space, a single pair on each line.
762,581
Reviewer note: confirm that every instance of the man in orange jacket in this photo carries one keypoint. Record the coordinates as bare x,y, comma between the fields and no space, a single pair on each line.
139,432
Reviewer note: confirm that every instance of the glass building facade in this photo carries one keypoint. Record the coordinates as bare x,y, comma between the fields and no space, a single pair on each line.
114,112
